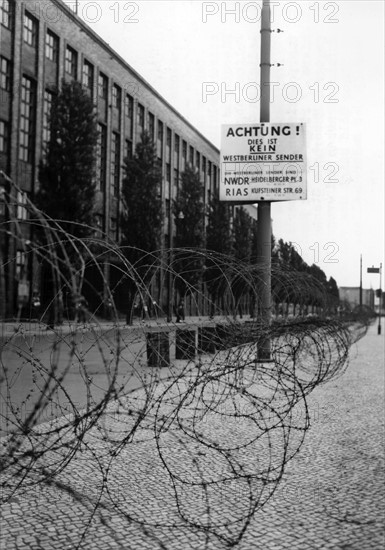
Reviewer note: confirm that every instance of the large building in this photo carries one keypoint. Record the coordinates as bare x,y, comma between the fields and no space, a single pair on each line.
43,42
350,296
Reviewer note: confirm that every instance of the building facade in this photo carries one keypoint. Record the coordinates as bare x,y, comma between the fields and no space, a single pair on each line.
350,295
43,42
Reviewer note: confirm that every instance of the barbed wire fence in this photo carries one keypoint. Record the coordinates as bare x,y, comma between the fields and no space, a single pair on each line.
111,417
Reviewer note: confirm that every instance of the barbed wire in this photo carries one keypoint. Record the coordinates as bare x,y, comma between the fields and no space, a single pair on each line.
188,406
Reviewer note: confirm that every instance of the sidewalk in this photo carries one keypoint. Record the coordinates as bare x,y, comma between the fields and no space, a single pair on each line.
11,328
331,496
333,493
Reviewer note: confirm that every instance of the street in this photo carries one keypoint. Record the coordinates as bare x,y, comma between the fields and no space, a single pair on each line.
330,497
78,369
72,368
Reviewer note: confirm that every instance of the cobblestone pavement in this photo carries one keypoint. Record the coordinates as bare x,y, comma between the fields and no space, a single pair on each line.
120,497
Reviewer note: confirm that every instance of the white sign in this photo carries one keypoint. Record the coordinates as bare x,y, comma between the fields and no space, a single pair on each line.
263,161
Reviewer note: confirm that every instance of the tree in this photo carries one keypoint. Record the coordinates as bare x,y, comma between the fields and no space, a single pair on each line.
67,191
67,173
188,210
142,220
219,244
296,282
242,235
242,232
283,253
218,232
333,294
318,290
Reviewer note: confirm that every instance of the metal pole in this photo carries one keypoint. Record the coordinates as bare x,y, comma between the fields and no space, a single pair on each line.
264,208
379,304
265,62
5,184
2,272
360,281
171,257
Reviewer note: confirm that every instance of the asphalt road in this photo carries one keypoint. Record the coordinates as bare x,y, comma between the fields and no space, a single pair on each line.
69,371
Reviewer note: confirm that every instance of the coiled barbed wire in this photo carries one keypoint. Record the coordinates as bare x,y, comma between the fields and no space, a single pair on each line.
216,425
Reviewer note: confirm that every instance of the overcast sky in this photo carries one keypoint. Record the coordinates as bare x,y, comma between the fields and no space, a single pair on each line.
331,78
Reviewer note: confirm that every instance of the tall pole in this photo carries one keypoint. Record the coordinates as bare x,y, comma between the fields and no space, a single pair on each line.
380,303
360,281
171,258
264,208
3,209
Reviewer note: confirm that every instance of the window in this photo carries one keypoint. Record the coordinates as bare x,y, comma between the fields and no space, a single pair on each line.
21,264
27,116
204,169
101,157
129,106
215,176
176,151
115,163
168,145
116,96
198,161
184,155
51,46
4,134
88,76
129,110
167,222
5,74
160,140
191,156
140,118
151,125
30,30
6,14
113,226
22,212
128,149
99,225
103,86
48,98
71,62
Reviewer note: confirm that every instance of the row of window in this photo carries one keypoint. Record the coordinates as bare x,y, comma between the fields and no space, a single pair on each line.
27,111
30,31
4,136
28,108
30,24
21,211
27,119
6,14
5,74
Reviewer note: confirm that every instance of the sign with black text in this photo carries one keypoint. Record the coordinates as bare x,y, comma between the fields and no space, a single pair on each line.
263,161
